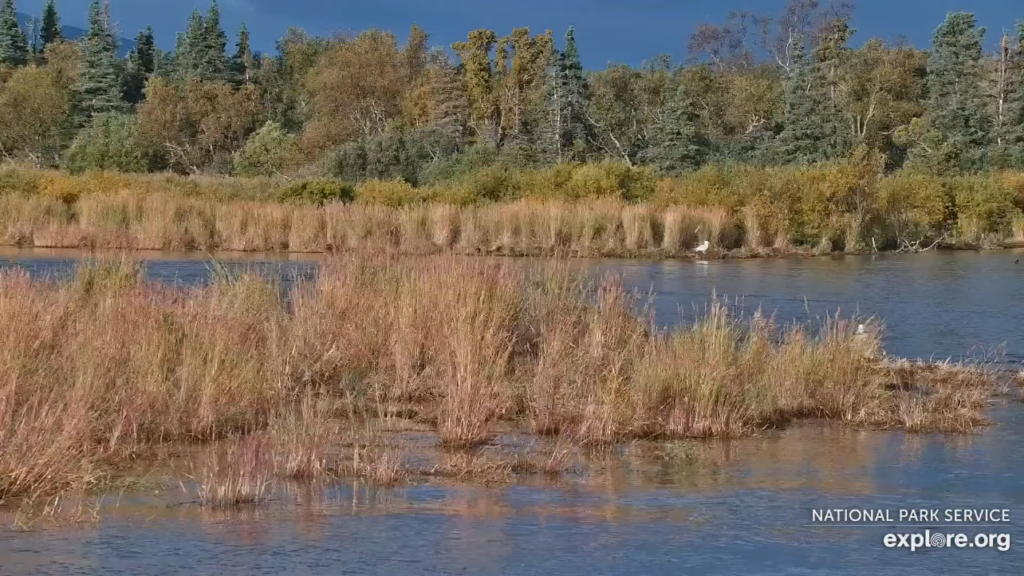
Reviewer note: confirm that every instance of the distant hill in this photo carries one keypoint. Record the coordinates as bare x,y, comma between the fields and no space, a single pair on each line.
73,33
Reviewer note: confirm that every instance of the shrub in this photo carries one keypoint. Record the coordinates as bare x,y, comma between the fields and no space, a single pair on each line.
15,180
111,142
985,208
392,193
269,151
318,191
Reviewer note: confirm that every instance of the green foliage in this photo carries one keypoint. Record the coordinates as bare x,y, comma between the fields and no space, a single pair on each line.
318,191
50,31
1013,130
13,45
410,155
677,143
99,83
142,63
111,142
956,104
566,133
805,136
242,64
200,53
268,152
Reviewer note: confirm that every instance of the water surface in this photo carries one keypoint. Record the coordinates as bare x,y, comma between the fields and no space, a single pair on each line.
745,508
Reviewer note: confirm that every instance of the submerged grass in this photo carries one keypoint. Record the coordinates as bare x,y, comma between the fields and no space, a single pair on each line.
105,369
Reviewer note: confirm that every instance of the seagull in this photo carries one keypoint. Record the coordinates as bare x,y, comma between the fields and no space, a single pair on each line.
703,248
861,331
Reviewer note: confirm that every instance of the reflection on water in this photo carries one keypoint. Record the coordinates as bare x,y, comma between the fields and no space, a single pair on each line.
739,507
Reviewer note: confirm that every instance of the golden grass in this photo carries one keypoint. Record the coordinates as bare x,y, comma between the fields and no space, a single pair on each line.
105,369
586,209
171,222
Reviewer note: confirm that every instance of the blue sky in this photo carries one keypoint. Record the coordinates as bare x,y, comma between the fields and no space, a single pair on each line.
607,30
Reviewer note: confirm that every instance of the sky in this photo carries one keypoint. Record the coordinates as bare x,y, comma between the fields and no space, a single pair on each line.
608,31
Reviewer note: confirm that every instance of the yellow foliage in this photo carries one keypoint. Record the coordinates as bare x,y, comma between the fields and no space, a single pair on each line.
392,193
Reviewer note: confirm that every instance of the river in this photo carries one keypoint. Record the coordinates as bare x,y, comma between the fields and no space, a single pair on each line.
745,509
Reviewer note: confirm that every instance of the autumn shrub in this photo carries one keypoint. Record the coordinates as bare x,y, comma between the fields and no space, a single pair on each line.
16,179
985,208
913,208
392,193
318,191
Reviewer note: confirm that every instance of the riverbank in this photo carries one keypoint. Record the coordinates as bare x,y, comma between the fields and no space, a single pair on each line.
604,228
107,372
587,211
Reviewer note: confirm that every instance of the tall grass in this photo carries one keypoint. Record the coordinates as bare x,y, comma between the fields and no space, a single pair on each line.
104,368
589,210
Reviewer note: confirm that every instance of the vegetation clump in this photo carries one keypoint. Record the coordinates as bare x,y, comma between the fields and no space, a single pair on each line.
105,369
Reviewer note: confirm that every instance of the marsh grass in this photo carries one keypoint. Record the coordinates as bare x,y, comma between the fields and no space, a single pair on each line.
105,369
526,227
236,473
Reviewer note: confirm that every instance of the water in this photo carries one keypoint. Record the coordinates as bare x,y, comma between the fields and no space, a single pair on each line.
746,508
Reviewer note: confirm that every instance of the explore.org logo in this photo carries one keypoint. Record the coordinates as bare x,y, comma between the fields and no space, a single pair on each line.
916,529
929,539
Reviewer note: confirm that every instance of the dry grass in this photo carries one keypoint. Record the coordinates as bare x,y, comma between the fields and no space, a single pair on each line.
105,368
239,473
173,222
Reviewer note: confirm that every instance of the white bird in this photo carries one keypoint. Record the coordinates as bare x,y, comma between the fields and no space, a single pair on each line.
703,248
861,331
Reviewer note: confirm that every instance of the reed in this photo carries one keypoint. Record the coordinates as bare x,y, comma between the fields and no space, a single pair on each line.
603,209
104,368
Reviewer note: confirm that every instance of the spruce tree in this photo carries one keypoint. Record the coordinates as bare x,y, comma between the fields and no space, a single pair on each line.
188,50
449,112
676,143
13,45
577,129
1013,129
51,30
804,137
141,66
831,55
567,133
99,83
200,49
212,61
956,103
242,61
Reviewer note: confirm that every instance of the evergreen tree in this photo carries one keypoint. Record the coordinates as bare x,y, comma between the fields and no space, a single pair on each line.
189,47
200,49
99,82
956,104
13,45
676,143
212,61
51,30
1013,129
568,132
242,62
804,138
831,57
141,66
576,128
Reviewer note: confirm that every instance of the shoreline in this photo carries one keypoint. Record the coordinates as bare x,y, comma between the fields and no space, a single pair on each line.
107,370
11,250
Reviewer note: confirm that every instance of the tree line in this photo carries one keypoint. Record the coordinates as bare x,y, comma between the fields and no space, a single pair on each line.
774,90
